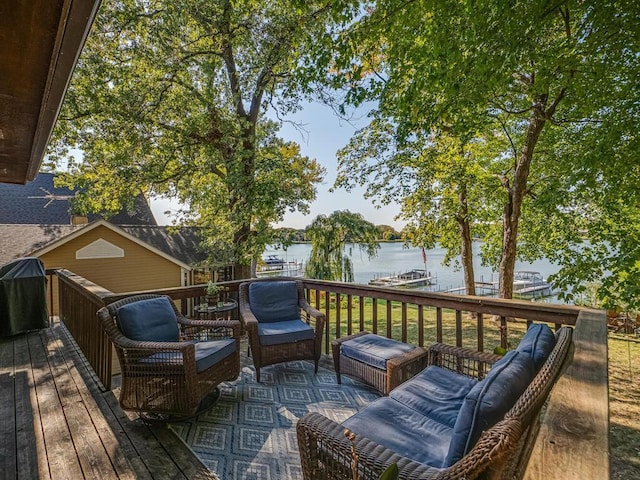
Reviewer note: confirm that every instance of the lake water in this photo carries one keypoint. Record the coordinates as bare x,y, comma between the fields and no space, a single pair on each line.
394,258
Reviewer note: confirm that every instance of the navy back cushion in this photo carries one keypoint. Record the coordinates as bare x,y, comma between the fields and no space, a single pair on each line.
151,320
488,402
538,342
274,301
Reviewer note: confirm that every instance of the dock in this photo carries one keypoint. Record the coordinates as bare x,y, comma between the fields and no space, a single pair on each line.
412,278
521,288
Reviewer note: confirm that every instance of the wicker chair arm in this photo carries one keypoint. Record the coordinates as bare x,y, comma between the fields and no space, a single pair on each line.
223,328
323,441
247,316
462,360
440,349
153,347
408,358
309,310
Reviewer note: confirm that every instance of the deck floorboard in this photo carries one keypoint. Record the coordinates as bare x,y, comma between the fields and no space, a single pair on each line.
58,423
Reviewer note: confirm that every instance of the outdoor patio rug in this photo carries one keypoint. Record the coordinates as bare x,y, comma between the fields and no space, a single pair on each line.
250,433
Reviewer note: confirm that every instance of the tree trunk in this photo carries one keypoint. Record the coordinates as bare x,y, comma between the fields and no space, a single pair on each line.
466,252
513,205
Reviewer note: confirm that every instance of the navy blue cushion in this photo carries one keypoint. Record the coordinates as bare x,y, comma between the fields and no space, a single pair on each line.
403,430
538,342
436,392
211,352
374,350
274,301
276,333
488,401
152,320
207,354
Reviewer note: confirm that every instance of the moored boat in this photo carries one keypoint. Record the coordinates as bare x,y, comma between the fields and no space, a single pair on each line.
272,265
412,278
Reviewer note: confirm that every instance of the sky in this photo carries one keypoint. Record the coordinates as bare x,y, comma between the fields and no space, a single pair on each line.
325,133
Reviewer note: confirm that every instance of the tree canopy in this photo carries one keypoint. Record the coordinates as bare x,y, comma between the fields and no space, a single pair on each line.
550,89
170,98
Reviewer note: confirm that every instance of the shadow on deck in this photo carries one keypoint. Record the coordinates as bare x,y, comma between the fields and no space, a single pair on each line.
57,423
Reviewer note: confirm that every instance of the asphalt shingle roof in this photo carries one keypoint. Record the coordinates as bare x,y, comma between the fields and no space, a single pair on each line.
21,240
35,215
40,203
182,244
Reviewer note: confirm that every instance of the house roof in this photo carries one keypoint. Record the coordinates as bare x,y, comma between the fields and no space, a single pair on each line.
181,245
40,202
20,240
41,41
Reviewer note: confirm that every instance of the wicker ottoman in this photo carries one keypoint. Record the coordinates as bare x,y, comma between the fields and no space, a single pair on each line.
380,362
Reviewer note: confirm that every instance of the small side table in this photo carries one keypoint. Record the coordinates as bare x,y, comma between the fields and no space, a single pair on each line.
215,312
378,361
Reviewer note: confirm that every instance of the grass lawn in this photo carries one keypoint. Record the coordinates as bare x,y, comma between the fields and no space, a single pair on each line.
624,407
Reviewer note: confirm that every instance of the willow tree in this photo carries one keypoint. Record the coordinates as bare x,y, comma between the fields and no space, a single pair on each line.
333,239
170,98
553,78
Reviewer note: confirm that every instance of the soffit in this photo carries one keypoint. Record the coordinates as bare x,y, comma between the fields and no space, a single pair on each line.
40,41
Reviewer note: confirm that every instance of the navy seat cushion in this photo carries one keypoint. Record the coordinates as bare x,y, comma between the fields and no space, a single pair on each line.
276,333
488,401
207,354
211,352
538,342
374,350
436,392
274,301
151,320
403,430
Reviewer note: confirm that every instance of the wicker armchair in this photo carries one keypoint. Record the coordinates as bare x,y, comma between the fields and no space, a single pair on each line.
280,323
500,453
173,363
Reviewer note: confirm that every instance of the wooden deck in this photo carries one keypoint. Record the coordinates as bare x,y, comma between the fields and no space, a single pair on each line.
58,423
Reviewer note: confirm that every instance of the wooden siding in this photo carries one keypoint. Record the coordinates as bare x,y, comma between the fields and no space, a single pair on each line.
139,269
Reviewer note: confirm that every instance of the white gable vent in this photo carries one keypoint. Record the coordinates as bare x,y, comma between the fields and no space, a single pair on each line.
99,249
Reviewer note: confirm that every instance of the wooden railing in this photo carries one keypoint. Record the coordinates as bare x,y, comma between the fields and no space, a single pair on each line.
423,317
573,440
78,301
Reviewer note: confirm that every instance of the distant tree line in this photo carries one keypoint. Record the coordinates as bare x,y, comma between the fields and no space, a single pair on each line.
286,235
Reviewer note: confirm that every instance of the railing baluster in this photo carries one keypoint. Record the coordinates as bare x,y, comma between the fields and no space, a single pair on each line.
374,303
480,321
389,320
404,322
362,300
439,324
327,310
420,326
338,312
349,314
504,339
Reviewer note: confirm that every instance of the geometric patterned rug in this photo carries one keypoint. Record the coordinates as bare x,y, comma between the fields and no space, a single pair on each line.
249,434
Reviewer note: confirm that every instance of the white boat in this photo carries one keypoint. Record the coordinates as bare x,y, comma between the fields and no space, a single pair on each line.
412,278
526,284
273,266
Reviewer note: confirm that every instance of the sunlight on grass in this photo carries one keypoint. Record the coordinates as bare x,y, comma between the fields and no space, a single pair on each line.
624,407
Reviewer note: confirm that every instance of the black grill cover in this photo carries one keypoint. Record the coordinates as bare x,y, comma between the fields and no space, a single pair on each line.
23,296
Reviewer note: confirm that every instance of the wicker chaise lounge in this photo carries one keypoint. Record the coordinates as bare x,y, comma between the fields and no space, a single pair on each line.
467,415
280,323
169,363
